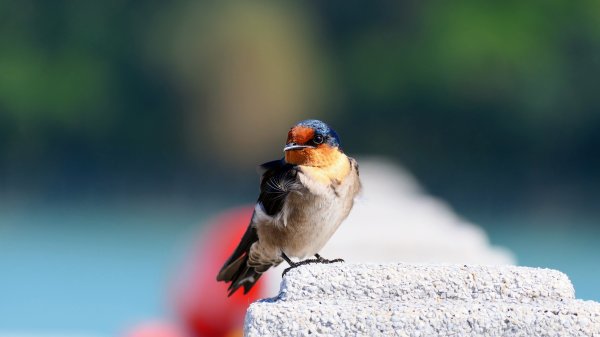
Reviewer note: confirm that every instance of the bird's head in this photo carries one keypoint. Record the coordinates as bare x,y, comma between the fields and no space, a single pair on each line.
312,143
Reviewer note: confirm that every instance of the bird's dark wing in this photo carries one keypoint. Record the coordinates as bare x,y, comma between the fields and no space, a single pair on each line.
270,165
233,263
236,269
279,179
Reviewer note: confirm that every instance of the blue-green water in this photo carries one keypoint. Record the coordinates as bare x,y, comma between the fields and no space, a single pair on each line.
90,270
100,270
570,245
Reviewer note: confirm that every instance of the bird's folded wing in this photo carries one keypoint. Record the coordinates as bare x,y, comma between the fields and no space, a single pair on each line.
277,181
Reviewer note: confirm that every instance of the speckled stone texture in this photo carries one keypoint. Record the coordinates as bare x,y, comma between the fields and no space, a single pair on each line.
423,300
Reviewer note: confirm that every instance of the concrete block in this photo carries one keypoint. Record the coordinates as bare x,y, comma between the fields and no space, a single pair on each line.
423,300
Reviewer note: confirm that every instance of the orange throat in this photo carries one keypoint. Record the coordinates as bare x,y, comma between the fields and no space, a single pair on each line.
322,155
324,162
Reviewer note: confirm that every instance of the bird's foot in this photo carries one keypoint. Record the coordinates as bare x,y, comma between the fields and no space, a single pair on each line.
301,263
326,261
319,259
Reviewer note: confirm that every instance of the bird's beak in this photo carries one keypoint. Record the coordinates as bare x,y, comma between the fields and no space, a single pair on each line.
294,146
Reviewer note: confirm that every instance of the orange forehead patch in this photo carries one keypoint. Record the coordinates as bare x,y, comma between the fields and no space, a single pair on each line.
300,135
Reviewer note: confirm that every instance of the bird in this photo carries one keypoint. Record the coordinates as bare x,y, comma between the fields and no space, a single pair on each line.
304,197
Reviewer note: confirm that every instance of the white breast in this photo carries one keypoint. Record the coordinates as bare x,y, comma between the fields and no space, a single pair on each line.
314,214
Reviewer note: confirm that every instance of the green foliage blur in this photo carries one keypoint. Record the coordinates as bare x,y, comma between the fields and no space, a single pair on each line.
485,101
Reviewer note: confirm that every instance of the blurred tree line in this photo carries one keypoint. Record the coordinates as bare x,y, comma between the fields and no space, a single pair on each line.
484,101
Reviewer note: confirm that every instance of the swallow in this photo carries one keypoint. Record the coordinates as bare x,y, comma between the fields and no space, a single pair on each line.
304,197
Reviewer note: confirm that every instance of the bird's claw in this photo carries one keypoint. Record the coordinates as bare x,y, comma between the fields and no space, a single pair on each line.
310,261
301,263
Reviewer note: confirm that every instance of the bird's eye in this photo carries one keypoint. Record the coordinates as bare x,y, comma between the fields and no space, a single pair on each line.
318,139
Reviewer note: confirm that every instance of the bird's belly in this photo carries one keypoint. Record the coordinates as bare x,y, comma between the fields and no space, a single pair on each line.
310,222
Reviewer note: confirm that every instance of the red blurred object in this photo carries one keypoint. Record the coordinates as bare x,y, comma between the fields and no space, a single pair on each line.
202,301
155,329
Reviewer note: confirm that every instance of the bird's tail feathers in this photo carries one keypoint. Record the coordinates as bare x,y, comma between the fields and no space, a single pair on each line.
245,276
240,274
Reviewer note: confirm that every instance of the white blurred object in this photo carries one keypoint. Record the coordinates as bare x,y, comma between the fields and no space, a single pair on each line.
394,220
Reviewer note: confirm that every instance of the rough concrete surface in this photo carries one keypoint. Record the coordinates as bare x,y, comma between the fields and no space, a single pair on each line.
423,300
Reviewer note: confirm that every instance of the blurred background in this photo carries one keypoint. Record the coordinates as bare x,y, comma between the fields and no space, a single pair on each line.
125,126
